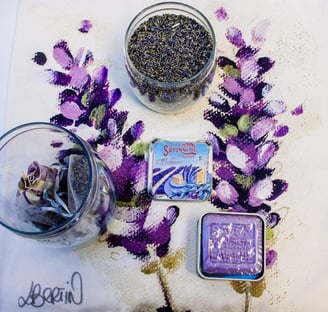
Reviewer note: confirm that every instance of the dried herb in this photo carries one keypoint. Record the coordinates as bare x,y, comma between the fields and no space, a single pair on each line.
171,49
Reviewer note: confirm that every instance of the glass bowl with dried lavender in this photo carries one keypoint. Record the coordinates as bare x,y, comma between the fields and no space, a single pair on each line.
169,51
54,188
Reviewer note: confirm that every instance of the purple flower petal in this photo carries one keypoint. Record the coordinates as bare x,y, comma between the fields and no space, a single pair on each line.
221,14
114,96
297,110
214,141
274,108
259,31
62,55
86,25
281,131
265,152
249,71
278,187
272,219
265,64
39,58
79,77
259,192
58,78
69,95
83,58
247,97
111,127
271,258
134,133
114,240
234,35
245,161
225,173
60,120
70,110
160,233
246,52
262,128
219,101
232,85
134,246
172,214
100,75
226,193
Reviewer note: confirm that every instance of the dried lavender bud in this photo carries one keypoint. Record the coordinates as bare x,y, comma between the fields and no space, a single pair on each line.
170,61
170,48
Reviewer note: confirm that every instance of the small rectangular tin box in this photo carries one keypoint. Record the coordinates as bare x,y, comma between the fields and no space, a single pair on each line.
231,246
180,170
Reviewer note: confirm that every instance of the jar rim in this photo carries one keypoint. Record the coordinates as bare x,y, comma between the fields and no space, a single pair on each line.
92,180
177,6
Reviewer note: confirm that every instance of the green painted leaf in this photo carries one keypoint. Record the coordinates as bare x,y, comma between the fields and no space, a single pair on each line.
269,233
85,99
173,260
139,148
244,181
257,288
231,71
97,114
239,286
150,267
244,123
228,131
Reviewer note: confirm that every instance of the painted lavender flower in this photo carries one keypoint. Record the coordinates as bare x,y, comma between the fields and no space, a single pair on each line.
247,138
87,107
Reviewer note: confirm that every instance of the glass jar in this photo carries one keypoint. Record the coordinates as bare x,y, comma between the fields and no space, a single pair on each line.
169,51
54,187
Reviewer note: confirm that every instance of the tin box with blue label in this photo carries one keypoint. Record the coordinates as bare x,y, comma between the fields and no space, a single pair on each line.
180,170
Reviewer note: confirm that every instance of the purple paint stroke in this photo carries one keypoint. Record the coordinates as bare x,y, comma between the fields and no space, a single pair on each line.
259,32
62,54
271,258
70,110
297,110
281,130
221,14
58,78
86,25
39,58
234,35
242,179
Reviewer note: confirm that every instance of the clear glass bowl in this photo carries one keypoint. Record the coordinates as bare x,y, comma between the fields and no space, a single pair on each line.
54,188
162,96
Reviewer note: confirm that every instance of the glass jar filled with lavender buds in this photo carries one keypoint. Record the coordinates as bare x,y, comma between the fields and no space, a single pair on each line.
54,188
169,53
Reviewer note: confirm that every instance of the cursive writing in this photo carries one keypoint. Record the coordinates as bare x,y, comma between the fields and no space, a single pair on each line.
184,148
38,296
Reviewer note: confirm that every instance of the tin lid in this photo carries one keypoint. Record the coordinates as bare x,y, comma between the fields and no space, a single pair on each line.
180,170
231,246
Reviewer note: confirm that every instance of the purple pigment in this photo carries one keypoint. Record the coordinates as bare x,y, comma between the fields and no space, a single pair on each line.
221,14
86,25
232,246
39,58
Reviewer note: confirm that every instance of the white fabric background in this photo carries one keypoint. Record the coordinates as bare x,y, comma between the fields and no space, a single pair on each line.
112,280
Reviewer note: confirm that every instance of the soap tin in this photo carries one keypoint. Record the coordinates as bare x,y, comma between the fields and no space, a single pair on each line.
249,269
180,170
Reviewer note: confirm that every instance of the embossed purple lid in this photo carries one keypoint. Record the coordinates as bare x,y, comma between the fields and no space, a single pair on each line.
231,246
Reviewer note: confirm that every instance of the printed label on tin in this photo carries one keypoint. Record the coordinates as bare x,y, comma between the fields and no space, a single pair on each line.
231,246
180,170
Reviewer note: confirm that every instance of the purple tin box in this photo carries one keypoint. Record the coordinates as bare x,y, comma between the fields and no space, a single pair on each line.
231,246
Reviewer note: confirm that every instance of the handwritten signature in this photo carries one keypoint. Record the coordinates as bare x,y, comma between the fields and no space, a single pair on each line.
39,296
